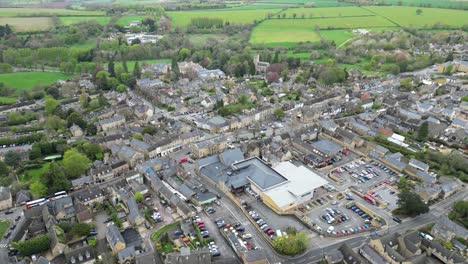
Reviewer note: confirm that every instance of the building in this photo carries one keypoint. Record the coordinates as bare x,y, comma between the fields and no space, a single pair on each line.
445,229
327,147
6,200
115,239
110,123
209,147
76,131
187,256
90,196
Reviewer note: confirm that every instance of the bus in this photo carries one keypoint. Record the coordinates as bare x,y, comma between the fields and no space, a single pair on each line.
56,196
35,203
370,199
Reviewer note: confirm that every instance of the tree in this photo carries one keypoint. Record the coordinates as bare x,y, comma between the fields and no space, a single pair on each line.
81,229
32,246
137,70
460,213
292,244
423,132
38,189
50,105
138,197
279,113
243,99
3,169
12,159
149,130
84,99
418,11
411,204
55,179
77,119
75,163
111,68
93,151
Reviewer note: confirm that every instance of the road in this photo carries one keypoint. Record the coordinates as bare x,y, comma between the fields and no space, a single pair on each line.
4,243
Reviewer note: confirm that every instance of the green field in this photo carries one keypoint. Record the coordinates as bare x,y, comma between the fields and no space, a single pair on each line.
434,3
13,12
284,30
33,175
4,227
22,24
7,100
125,20
261,6
183,18
345,11
199,40
338,36
70,20
406,16
27,80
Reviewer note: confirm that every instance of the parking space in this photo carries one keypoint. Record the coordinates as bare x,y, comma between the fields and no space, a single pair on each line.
273,220
387,194
366,175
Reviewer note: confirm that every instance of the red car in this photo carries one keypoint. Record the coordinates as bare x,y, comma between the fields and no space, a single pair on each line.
249,247
201,223
270,232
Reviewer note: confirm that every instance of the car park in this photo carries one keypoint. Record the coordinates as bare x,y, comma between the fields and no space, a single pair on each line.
246,236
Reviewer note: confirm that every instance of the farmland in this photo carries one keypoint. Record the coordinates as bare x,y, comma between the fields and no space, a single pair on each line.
338,36
125,20
71,20
318,3
27,80
22,24
183,18
348,11
284,30
406,16
38,12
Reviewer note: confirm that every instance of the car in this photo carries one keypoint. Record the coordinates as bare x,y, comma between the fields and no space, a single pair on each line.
18,218
308,207
240,229
12,226
246,236
7,235
12,252
178,232
319,201
33,257
210,210
270,232
8,212
217,202
256,217
396,219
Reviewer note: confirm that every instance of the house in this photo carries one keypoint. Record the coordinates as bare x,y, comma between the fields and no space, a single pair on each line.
62,209
129,155
110,123
6,200
446,230
187,256
134,215
114,239
81,182
209,147
126,255
22,197
76,131
449,186
90,196
101,172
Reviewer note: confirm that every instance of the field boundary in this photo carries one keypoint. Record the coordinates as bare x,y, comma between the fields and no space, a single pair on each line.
382,16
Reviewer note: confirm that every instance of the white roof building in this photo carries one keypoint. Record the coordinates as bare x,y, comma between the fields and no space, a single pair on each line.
299,187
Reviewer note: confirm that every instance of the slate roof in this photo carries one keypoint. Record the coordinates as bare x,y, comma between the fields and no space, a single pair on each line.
113,235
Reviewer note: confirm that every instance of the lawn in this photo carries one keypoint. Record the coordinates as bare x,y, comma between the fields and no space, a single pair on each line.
162,230
406,16
338,36
302,55
3,227
125,20
70,20
22,24
27,80
183,18
7,100
283,31
37,12
346,11
33,175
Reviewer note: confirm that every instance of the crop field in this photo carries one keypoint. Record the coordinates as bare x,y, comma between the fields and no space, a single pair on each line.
460,4
406,16
27,80
346,11
13,12
338,36
183,18
261,6
125,20
284,30
22,24
70,20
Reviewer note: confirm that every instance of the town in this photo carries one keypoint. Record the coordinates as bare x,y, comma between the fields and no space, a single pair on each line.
259,159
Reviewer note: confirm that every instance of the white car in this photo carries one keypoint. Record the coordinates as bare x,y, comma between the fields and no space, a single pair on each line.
246,236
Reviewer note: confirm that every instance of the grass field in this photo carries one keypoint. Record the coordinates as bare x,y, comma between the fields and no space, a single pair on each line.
200,39
338,36
183,18
434,3
261,6
22,24
345,11
284,30
33,175
3,227
70,20
318,3
27,80
406,16
125,20
13,12
7,100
